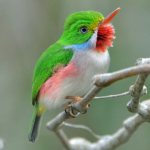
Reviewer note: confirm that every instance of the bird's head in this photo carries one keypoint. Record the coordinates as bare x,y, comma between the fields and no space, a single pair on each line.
89,30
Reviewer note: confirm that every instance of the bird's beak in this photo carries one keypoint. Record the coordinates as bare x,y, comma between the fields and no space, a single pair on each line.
110,17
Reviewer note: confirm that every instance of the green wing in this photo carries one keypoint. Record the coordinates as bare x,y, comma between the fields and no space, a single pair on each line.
54,55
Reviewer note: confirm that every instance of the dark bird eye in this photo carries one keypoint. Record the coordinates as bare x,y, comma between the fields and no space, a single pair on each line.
83,30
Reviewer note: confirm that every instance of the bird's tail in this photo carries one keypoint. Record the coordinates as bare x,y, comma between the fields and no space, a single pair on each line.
35,125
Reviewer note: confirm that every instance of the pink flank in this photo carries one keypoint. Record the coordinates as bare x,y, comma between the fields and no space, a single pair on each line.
54,82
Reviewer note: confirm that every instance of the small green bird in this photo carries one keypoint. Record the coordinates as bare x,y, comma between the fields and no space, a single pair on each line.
64,71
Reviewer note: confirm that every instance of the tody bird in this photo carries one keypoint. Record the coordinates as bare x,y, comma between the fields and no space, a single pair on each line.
64,71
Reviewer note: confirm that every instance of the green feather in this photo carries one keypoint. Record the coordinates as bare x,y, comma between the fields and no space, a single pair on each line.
57,54
54,55
75,21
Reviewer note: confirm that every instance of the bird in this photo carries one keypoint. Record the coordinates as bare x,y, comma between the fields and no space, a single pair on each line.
63,73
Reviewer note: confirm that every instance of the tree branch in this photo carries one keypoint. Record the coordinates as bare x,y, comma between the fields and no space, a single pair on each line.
110,142
136,89
101,81
121,136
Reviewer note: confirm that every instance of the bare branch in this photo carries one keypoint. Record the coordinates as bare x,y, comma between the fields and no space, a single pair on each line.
130,125
111,142
105,80
136,89
100,82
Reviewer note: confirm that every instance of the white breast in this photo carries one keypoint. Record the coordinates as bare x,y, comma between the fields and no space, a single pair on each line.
89,64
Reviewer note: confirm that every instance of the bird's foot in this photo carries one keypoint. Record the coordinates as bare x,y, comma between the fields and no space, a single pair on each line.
71,111
76,99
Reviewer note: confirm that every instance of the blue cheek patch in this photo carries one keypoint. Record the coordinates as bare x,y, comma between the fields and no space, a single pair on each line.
80,47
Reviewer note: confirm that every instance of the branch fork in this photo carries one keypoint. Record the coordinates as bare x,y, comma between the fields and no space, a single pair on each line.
142,110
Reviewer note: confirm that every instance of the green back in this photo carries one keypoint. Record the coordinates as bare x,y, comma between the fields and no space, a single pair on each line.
54,55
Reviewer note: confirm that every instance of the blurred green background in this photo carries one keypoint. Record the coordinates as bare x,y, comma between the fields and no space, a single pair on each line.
27,28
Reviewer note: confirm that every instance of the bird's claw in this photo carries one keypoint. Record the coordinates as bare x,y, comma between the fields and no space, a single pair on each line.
71,111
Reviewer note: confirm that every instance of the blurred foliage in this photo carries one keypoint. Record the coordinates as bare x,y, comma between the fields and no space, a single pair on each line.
27,27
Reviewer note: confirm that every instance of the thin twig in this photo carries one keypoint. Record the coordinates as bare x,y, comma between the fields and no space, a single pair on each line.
130,92
83,127
63,138
113,96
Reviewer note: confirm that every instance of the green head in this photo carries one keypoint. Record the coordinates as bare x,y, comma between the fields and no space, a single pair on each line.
80,27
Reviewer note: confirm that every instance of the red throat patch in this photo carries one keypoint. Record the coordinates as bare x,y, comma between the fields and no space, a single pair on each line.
105,37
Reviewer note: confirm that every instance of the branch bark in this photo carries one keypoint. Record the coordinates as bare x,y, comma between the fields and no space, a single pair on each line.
130,125
111,142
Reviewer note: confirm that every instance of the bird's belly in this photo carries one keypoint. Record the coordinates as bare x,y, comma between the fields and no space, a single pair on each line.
76,84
